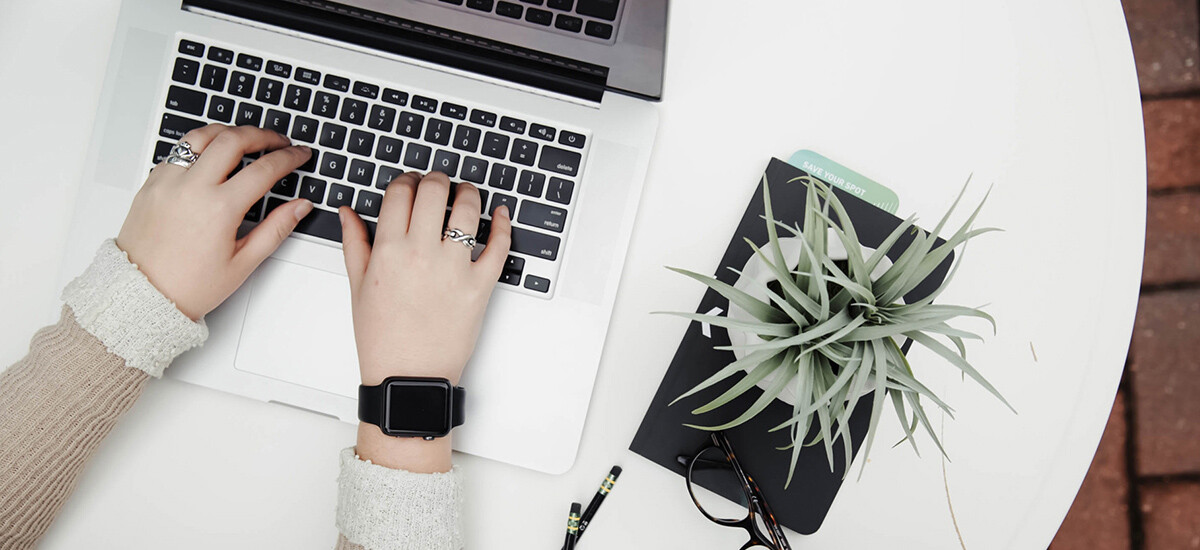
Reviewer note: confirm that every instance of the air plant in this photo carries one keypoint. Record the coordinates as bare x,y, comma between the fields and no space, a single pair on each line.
830,332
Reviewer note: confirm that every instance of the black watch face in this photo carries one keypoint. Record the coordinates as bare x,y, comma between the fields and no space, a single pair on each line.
418,407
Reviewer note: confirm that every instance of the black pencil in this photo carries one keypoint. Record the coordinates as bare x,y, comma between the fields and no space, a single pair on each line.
572,527
606,487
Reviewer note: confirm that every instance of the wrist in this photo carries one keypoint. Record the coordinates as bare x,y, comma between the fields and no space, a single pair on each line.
413,454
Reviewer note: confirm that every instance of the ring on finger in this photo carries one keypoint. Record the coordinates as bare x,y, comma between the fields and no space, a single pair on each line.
182,155
458,236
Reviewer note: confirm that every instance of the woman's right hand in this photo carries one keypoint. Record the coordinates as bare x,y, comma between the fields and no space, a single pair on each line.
418,300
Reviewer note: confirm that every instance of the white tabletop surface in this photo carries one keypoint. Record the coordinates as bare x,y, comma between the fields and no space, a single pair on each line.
1036,98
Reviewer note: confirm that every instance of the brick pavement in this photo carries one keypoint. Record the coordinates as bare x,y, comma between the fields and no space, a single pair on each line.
1143,489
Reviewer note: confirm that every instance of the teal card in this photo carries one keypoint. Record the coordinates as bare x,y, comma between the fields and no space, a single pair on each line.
846,179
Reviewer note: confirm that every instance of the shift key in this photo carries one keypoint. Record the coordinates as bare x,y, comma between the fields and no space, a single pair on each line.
538,245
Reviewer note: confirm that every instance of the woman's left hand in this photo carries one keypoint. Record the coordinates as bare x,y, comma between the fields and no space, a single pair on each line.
182,228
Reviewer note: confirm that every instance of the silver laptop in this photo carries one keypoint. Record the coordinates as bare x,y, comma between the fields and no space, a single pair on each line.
546,105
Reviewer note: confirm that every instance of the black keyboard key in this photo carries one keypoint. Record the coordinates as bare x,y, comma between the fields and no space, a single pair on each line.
568,22
194,49
395,97
454,111
312,189
474,170
310,165
340,195
366,90
161,150
298,97
560,190
539,17
361,143
410,125
175,126
600,9
339,83
422,103
186,71
278,121
495,145
438,131
541,216
560,160
417,156
466,138
241,84
531,183
185,100
483,118
325,104
321,223
308,75
541,132
514,264
485,226
221,109
500,199
333,165
287,186
368,203
540,284
508,9
382,118
509,277
446,162
249,115
220,55
361,172
481,5
523,152
255,212
249,62
269,91
213,77
571,139
514,125
282,70
386,175
483,198
535,244
354,111
503,177
600,30
388,149
305,129
333,135
564,5
455,2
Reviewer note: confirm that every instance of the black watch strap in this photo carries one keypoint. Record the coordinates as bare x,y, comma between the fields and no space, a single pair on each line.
372,401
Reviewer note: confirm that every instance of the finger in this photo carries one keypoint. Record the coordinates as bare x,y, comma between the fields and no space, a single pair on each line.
255,180
227,149
270,233
198,139
465,214
355,247
397,206
491,260
429,207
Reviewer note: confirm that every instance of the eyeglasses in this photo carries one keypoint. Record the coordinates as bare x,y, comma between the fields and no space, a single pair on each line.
716,468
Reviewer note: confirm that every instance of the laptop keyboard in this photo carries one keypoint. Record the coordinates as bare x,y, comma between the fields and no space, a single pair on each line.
365,132
591,19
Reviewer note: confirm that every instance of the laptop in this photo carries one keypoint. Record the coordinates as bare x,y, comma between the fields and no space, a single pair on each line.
548,106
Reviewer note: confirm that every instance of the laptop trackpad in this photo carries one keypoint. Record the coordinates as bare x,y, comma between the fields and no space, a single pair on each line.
299,329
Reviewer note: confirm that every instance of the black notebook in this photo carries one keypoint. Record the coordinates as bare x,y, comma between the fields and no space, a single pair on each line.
662,436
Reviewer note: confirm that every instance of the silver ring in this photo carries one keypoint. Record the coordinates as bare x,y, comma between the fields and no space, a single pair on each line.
182,155
458,236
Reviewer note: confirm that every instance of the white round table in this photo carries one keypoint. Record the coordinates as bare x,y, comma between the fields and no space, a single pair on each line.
1038,100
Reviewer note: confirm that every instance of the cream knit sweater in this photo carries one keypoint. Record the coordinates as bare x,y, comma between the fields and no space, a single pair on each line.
116,332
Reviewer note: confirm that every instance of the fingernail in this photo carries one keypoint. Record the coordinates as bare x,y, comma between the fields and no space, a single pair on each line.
503,210
305,207
341,217
304,148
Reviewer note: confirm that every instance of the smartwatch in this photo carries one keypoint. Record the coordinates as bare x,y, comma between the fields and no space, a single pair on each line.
405,406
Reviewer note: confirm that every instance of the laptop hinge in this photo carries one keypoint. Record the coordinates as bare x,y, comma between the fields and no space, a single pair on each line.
416,40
